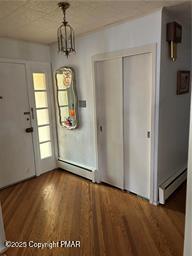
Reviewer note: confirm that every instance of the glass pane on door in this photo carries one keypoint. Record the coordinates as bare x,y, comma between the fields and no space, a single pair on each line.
39,81
41,99
44,133
42,117
45,150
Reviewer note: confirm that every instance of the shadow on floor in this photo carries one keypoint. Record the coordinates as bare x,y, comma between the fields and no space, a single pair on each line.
177,201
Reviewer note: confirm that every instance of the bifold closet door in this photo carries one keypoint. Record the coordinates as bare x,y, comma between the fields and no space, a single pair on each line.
16,144
137,123
108,77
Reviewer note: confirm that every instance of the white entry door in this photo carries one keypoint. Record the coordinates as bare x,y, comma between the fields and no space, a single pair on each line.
108,77
16,145
43,116
137,123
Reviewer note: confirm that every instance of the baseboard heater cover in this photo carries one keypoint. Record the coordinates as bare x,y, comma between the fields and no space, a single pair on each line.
170,185
87,173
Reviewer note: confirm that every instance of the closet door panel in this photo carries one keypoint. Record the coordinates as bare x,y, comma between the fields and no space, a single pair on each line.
137,123
108,75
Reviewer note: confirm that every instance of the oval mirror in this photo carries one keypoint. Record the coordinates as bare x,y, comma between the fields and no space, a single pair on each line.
66,97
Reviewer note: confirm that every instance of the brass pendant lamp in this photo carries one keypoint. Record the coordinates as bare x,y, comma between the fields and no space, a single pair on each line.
65,33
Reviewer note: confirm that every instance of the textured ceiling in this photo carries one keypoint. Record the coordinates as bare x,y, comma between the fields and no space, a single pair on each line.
37,21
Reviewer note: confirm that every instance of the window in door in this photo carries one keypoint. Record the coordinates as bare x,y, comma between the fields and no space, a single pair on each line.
42,112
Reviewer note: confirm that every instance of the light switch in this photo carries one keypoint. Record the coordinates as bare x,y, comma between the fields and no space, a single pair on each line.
82,103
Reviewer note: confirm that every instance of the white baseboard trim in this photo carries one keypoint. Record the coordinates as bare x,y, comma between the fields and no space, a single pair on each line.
170,185
155,203
78,170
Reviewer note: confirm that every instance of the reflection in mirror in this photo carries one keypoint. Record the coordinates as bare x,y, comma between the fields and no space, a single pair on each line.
66,97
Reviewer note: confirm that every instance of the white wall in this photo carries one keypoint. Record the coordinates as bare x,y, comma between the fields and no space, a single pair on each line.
77,146
174,110
14,49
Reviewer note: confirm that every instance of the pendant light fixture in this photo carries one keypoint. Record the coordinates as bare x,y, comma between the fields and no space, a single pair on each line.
65,33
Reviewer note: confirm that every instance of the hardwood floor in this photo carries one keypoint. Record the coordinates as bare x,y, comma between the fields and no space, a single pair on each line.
61,206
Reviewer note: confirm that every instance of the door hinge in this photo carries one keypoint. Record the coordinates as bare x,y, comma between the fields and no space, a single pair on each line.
148,134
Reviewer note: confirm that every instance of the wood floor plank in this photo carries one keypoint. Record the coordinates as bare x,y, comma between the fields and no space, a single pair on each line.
107,221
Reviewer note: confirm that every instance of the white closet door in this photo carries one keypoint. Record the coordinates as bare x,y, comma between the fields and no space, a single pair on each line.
16,145
137,123
108,75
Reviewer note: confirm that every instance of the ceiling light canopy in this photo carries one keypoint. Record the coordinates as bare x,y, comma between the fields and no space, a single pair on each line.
65,33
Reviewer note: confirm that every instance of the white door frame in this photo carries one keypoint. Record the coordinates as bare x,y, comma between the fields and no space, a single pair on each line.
152,48
50,89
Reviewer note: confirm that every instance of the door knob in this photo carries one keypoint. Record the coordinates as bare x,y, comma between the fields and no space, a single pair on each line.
29,130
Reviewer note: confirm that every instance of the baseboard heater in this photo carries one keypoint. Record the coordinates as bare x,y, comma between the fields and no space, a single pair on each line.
82,171
170,185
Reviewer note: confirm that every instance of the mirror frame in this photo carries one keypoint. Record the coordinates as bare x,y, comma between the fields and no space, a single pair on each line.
73,88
